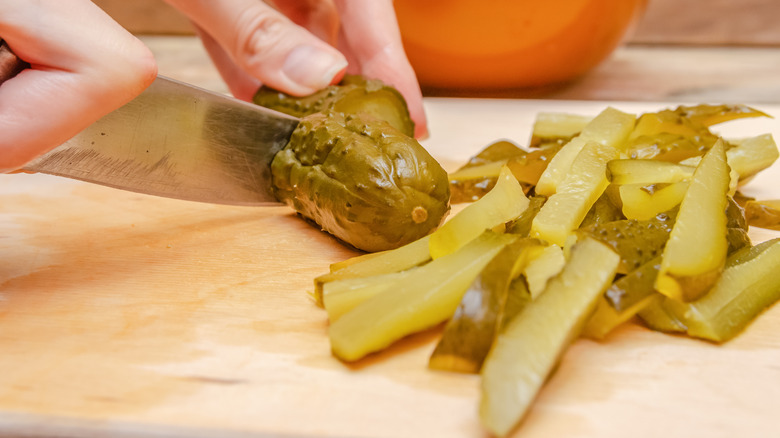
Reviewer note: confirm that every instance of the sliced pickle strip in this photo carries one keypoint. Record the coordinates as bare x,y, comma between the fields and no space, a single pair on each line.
610,128
418,301
522,225
747,286
658,317
643,202
540,269
623,300
478,176
628,171
339,297
526,352
603,210
578,191
708,115
763,214
696,250
605,318
747,157
392,260
552,128
637,242
469,334
504,203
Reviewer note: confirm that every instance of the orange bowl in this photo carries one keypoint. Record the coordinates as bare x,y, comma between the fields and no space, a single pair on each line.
472,44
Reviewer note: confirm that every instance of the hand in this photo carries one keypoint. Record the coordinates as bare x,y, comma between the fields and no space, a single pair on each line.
82,66
301,46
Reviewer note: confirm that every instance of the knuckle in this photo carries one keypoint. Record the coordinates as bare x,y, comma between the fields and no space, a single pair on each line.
145,67
138,67
260,30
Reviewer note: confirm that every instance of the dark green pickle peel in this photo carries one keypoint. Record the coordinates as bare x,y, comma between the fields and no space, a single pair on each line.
353,95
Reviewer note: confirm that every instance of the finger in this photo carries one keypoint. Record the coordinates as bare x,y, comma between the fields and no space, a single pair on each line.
372,43
241,84
319,17
268,45
83,65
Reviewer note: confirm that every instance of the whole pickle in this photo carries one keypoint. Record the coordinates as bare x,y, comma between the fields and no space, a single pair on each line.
353,95
361,180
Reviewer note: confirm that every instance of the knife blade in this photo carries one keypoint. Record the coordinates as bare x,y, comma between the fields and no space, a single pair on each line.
179,141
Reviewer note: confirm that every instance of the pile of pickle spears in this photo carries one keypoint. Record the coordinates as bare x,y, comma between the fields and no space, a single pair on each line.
599,221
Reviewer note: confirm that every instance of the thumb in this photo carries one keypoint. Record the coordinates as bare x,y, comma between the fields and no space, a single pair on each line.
266,44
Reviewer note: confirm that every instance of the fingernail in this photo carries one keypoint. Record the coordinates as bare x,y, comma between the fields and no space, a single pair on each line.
312,67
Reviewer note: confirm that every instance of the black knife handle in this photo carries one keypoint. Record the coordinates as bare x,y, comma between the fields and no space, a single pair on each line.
10,64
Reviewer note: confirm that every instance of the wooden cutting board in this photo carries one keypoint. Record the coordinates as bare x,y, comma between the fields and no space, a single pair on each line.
129,315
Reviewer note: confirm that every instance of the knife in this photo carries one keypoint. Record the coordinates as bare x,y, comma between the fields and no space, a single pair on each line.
173,140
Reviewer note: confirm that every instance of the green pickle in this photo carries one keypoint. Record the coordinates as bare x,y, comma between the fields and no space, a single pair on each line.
658,317
361,180
504,203
623,299
636,241
522,225
469,334
354,95
527,351
425,297
600,221
763,214
748,285
681,133
384,262
602,211
556,128
631,289
479,175
517,297
696,251
736,226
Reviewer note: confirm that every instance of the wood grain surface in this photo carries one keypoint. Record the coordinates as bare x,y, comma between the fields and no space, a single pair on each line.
129,315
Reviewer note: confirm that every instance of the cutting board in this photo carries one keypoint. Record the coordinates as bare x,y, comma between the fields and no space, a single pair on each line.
130,315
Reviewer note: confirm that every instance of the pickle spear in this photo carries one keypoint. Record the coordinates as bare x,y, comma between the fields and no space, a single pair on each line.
551,128
504,203
623,299
763,214
575,195
610,128
527,351
478,176
643,202
747,156
469,334
420,300
747,286
636,171
384,262
696,251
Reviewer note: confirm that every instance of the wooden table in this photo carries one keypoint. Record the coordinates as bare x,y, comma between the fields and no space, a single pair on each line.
130,315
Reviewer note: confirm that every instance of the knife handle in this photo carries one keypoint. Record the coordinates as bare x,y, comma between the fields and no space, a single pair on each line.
10,64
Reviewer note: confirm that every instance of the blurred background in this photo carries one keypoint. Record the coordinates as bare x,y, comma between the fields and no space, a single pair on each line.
682,50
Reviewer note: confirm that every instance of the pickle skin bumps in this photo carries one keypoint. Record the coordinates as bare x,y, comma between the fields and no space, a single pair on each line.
361,180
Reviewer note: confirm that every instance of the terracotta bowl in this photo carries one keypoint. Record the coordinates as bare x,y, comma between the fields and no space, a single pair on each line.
493,44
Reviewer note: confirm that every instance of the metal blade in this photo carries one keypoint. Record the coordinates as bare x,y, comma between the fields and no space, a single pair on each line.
178,141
